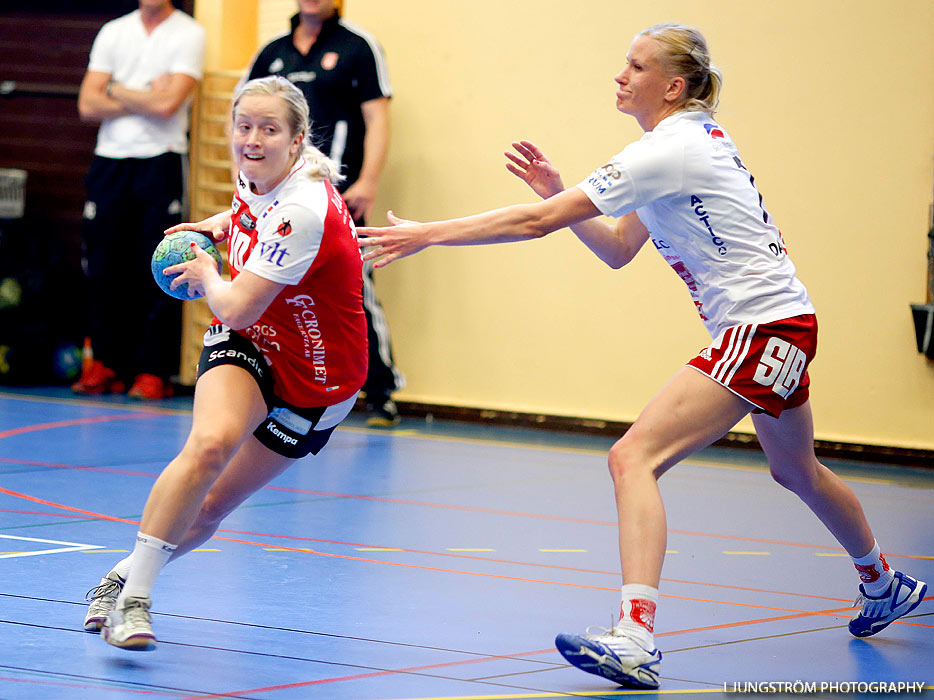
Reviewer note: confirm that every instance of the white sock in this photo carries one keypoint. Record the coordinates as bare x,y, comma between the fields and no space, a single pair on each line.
874,572
122,567
637,613
149,556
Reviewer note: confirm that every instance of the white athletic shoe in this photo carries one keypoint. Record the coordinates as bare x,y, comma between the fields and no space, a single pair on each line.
612,655
103,597
130,627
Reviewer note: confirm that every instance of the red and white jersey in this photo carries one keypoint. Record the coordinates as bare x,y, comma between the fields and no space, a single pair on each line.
687,184
313,334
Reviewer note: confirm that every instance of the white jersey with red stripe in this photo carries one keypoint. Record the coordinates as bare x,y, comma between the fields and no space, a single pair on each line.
313,334
687,184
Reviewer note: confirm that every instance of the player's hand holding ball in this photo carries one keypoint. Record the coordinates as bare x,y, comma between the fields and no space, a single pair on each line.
182,261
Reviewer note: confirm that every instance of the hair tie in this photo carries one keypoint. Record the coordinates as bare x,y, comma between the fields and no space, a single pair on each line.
698,56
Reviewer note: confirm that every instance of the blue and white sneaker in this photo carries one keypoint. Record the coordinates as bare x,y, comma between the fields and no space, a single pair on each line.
903,596
612,655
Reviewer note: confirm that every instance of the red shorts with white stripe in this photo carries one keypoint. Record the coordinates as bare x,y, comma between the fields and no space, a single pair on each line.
765,364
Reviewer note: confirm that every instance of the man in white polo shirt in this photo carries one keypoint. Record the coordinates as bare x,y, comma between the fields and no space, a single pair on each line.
142,71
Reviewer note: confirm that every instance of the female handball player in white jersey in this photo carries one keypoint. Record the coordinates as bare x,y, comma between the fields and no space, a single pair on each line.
684,186
283,361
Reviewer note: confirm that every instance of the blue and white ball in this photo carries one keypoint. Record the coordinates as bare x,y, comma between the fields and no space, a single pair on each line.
174,249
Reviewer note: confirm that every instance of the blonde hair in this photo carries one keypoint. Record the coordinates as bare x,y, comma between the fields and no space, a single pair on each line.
320,167
685,53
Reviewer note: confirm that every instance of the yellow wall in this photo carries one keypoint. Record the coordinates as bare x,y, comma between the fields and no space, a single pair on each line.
832,107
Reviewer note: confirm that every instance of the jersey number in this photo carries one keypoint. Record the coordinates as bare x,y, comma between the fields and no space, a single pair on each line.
780,366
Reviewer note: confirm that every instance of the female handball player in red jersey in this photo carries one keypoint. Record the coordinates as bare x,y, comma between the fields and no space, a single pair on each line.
283,360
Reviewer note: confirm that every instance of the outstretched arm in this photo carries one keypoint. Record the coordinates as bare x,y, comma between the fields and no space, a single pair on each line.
615,246
515,223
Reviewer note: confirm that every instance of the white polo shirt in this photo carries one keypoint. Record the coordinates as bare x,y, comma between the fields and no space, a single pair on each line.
687,184
134,58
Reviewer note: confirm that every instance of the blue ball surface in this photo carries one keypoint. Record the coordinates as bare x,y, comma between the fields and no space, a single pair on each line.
174,249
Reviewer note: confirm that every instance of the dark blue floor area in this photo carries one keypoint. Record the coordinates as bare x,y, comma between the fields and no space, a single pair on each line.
433,561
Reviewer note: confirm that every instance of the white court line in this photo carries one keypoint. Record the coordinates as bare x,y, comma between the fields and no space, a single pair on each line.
72,547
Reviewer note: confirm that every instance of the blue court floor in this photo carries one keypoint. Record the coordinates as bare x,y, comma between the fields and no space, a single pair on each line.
433,561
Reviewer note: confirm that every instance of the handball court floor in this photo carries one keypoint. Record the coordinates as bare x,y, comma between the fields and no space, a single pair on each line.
436,560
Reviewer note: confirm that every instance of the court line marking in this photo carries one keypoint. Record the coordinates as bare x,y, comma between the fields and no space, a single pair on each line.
428,504
101,685
464,662
295,549
91,682
689,461
478,696
70,423
91,403
748,554
399,564
524,563
573,694
72,547
480,658
419,435
107,551
795,612
542,516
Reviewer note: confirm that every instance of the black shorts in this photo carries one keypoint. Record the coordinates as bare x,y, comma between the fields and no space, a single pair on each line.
287,430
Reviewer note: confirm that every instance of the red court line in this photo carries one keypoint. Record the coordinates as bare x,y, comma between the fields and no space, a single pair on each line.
794,613
541,516
528,563
36,512
71,422
404,565
371,674
55,465
493,511
419,566
470,509
64,507
59,684
465,662
398,564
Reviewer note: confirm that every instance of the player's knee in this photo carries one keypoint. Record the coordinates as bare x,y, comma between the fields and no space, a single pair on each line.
623,460
793,477
210,452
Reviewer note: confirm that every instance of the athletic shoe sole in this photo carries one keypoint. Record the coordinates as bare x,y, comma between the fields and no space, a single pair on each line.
138,642
594,658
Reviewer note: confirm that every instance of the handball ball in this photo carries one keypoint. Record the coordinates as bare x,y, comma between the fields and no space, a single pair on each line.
174,249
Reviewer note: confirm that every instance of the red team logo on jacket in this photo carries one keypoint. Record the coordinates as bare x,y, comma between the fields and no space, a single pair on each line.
285,228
